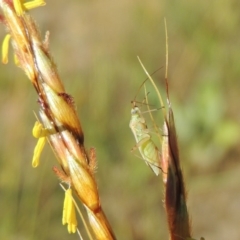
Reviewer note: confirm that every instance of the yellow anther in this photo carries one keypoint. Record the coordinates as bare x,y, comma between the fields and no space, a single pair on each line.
16,60
34,4
5,47
69,213
20,7
38,150
39,131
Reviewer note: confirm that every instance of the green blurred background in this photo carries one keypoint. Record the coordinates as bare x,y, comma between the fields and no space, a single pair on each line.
95,45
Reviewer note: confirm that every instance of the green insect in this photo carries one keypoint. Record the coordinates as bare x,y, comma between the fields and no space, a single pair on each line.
147,148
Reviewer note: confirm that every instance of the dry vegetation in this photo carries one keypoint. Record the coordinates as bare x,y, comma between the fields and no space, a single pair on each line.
95,48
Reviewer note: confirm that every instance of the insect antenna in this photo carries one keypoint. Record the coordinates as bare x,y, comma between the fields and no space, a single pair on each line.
134,101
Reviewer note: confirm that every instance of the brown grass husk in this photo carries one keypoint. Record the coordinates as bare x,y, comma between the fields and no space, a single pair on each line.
57,113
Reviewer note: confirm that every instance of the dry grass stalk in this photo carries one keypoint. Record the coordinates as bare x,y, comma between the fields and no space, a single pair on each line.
175,197
59,122
175,194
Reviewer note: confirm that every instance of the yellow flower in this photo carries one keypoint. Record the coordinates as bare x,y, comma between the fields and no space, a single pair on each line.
38,132
69,213
20,7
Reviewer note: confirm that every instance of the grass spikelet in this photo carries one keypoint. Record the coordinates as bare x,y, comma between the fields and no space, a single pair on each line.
175,194
59,122
175,197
